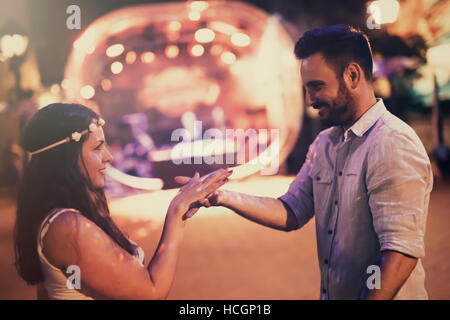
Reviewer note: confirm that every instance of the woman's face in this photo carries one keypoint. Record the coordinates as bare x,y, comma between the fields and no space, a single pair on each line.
96,158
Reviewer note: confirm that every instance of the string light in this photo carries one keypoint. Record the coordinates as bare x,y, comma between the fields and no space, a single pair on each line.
130,58
197,50
87,92
147,57
13,45
174,26
198,5
223,27
228,57
240,39
116,67
204,35
216,50
65,84
172,51
106,85
194,15
115,50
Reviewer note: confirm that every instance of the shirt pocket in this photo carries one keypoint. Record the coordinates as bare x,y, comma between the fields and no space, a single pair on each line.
322,183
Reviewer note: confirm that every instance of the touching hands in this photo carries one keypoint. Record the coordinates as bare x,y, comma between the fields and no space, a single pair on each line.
198,192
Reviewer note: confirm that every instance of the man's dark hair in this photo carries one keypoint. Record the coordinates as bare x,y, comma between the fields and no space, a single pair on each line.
340,45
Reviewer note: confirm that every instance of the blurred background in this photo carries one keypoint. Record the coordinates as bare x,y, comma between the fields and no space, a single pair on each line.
151,67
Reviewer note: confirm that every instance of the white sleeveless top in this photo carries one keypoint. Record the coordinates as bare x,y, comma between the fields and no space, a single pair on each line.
55,280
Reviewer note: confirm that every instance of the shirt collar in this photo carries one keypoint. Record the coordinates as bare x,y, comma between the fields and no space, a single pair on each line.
367,120
336,134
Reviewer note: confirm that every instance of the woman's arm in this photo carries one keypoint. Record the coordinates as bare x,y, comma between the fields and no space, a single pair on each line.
108,269
41,292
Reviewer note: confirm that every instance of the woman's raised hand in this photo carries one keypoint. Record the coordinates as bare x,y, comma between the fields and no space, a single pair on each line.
195,192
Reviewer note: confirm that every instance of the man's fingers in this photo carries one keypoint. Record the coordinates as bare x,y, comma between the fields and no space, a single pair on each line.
205,202
213,198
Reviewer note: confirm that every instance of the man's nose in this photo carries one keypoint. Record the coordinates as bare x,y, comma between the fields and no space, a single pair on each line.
308,99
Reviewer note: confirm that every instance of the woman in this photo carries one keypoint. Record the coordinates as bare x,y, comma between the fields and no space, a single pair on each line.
63,222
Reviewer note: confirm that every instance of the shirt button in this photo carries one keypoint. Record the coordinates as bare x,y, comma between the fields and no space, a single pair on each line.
317,178
324,291
335,202
340,173
330,231
325,261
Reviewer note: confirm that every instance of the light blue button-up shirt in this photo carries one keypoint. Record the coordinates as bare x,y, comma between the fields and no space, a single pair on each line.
369,189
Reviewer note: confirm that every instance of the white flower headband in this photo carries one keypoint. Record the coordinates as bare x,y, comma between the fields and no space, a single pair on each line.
76,136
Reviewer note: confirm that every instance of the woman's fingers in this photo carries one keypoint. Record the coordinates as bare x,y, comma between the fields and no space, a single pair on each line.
196,176
185,179
192,181
195,192
208,191
182,179
216,176
195,208
213,187
190,213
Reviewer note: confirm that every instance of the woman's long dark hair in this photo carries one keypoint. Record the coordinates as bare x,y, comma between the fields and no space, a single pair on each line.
53,179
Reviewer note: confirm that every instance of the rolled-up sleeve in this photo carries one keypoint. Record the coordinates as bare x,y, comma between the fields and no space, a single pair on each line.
299,197
399,181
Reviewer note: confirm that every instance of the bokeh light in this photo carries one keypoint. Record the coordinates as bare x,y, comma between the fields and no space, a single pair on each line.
87,92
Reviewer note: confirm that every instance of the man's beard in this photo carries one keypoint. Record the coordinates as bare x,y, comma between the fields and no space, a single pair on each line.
341,111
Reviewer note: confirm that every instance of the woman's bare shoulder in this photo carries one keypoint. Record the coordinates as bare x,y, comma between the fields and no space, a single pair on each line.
106,268
61,242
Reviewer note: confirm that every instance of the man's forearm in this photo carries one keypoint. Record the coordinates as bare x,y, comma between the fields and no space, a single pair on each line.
395,270
266,211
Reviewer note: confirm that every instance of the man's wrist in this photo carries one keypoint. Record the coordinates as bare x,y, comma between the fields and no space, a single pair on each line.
222,198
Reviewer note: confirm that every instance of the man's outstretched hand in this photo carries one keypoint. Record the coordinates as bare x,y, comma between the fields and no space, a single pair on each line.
213,199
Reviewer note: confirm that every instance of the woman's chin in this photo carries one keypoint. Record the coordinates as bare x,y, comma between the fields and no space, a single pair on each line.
100,184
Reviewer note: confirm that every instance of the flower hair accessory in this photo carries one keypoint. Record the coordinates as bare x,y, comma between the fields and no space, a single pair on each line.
94,126
75,136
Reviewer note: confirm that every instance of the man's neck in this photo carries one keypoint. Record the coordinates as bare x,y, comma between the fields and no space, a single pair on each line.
363,106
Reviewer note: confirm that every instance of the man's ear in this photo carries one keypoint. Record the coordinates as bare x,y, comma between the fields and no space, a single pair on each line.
353,75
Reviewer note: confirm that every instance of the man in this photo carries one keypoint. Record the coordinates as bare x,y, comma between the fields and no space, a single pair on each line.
367,179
